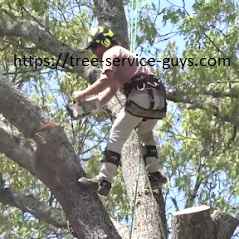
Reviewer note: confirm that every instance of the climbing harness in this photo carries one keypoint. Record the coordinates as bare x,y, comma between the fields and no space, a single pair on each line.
155,90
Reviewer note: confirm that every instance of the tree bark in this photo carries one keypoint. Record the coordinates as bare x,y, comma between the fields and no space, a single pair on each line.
225,224
198,223
148,214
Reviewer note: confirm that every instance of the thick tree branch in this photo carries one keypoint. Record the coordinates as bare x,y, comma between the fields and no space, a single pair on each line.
40,210
12,147
18,110
149,215
225,224
28,203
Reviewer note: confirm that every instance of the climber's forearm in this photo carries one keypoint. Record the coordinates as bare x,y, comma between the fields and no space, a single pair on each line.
97,87
106,95
93,89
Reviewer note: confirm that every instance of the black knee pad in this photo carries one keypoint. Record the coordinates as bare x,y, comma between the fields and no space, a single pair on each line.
150,151
111,157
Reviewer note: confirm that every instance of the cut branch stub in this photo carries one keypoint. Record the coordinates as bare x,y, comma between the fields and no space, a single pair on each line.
193,223
198,223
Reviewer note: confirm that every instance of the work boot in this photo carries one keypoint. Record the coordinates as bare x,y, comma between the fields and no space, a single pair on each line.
157,179
102,186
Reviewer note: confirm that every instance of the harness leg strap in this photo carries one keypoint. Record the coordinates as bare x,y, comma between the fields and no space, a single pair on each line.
151,97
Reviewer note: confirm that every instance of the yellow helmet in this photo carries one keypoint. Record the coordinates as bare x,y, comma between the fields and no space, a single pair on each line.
101,36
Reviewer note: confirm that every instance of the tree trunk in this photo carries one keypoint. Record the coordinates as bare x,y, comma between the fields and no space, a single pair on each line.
148,219
198,223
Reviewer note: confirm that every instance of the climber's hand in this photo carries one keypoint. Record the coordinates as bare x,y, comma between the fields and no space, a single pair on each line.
78,96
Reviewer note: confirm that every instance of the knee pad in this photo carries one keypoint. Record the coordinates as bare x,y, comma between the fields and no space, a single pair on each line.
150,151
111,157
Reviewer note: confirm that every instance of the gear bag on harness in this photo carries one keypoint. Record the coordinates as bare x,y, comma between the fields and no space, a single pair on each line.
148,86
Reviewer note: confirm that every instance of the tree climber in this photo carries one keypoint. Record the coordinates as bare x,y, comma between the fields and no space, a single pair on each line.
145,104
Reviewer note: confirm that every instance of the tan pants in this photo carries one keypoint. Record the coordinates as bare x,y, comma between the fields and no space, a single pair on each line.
120,131
122,127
